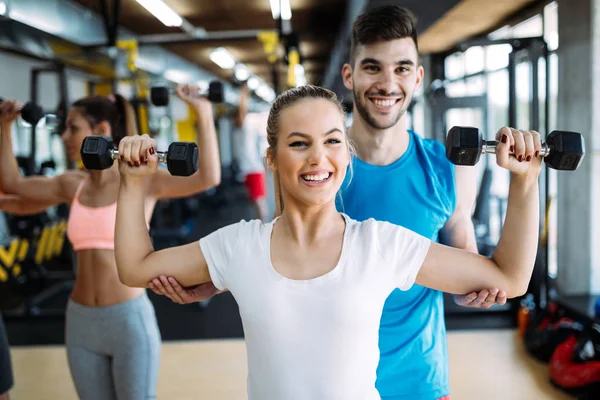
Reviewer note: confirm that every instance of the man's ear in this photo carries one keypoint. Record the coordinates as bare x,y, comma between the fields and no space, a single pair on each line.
420,75
347,76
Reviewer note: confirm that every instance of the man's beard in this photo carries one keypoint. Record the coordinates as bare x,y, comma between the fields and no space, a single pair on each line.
369,119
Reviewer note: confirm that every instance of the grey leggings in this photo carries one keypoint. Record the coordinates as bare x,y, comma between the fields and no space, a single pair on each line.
113,351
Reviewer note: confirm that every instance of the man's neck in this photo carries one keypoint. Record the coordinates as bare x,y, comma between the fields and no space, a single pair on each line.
379,146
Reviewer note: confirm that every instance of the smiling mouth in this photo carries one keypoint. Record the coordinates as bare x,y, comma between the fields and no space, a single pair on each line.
316,178
383,104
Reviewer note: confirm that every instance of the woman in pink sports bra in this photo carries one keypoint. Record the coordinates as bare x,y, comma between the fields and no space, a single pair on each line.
112,337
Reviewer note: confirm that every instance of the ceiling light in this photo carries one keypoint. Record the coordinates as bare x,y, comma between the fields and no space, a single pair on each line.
266,93
177,76
253,83
241,73
162,12
222,58
2,7
285,11
299,75
274,8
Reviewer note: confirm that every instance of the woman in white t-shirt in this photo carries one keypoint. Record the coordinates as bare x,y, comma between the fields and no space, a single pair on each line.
311,284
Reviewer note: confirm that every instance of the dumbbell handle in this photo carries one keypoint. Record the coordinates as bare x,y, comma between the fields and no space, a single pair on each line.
162,155
489,147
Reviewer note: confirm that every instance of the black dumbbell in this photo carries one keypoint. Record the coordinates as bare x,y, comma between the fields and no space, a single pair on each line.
31,113
98,152
563,150
159,95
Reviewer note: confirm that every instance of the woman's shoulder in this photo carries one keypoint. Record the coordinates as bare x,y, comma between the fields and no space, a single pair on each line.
71,180
244,228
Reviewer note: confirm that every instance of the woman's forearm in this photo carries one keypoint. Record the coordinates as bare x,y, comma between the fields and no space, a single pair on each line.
132,240
209,166
17,205
9,169
516,251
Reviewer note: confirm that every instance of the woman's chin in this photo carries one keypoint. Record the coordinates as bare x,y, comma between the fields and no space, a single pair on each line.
318,201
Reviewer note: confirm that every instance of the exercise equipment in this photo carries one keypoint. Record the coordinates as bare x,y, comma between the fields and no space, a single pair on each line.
571,373
563,150
30,113
97,153
159,95
541,341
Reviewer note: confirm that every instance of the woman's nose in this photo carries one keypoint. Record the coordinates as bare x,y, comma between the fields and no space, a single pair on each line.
316,154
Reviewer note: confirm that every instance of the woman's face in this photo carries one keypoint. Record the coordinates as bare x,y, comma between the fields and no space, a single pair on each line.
312,152
77,128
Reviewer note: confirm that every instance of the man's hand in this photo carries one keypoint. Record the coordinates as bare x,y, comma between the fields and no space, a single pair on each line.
485,299
172,289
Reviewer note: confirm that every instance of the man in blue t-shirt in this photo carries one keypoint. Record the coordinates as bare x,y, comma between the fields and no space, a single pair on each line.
404,179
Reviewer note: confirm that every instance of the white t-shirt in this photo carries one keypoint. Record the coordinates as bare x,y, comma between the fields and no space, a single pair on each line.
249,145
318,338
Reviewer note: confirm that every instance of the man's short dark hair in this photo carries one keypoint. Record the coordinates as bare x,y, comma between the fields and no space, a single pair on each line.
384,23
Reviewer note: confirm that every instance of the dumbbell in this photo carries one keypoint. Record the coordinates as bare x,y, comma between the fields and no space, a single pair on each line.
31,113
98,152
159,95
563,150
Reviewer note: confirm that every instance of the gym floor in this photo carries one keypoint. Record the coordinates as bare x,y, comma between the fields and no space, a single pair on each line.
204,354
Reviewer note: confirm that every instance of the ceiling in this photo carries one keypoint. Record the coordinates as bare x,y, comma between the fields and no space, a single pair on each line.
467,19
315,21
442,23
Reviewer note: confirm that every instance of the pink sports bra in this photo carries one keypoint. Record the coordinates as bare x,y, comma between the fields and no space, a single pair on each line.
94,227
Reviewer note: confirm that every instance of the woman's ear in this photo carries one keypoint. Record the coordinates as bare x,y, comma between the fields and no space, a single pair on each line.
271,161
102,129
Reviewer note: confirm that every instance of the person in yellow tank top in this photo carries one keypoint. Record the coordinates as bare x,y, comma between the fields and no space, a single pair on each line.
112,337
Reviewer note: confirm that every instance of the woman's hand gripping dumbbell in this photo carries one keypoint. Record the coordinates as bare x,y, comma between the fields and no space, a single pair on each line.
11,109
563,150
138,156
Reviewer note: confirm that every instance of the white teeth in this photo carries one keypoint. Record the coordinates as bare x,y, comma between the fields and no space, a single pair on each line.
384,103
317,177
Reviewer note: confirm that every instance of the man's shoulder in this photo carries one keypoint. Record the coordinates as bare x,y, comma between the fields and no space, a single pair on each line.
432,147
435,153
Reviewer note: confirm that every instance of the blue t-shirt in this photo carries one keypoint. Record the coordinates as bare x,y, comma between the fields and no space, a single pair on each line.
417,191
